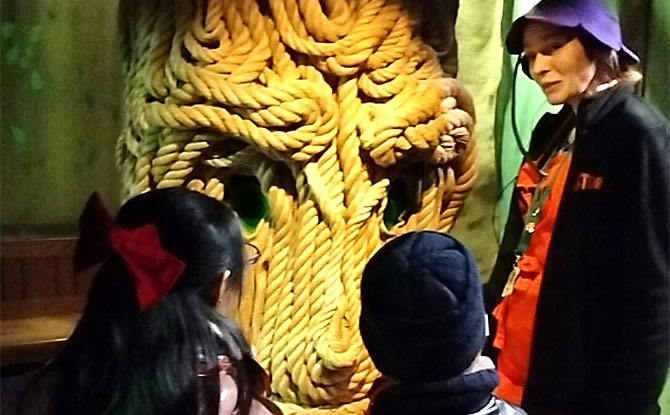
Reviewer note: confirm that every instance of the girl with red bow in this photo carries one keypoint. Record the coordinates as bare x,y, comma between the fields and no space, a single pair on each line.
150,340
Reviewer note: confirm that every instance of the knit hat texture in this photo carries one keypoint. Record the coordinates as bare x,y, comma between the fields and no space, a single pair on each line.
422,316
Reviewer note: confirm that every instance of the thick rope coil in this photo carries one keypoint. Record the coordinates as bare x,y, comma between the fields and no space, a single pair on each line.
322,104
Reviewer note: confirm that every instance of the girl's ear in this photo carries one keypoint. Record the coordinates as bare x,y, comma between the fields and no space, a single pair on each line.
222,287
228,299
219,288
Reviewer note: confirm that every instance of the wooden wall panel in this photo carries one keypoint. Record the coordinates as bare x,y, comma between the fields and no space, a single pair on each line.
65,278
38,269
39,277
12,281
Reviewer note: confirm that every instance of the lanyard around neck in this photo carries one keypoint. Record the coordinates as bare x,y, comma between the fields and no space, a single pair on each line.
540,195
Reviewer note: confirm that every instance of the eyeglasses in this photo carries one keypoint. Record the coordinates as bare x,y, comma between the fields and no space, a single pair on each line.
251,253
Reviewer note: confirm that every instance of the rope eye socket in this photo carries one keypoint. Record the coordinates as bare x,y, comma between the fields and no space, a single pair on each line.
244,195
398,206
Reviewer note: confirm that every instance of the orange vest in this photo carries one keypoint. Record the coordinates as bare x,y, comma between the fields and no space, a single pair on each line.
516,313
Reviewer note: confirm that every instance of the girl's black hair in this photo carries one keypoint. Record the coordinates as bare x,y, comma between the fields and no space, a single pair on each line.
121,360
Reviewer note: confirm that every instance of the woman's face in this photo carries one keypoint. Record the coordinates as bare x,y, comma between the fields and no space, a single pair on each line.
557,62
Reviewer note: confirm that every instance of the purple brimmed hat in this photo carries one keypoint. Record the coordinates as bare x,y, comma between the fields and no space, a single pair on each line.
591,16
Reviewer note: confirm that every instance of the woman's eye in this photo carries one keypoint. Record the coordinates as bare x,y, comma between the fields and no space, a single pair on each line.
556,45
554,48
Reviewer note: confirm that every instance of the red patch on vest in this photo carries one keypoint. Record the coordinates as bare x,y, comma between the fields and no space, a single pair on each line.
587,181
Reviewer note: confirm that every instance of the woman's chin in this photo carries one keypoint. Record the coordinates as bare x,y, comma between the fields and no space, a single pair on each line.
555,99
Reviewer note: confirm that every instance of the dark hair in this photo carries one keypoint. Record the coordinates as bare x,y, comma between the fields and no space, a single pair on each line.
121,360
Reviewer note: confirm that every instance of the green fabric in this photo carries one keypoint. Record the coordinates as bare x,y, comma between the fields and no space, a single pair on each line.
656,87
665,398
480,57
646,29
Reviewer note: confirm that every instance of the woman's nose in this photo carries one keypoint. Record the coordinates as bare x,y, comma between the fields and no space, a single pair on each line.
539,65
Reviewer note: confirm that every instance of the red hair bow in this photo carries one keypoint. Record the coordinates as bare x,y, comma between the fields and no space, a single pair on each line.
154,269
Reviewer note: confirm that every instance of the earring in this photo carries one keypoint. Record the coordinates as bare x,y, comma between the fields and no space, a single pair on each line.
226,274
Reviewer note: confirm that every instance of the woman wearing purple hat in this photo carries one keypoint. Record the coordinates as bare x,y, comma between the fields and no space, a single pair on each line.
582,280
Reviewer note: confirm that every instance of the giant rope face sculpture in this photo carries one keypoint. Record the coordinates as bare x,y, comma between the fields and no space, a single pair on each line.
330,127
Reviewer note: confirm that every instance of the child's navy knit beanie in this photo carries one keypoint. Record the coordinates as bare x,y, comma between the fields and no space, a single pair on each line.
422,314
